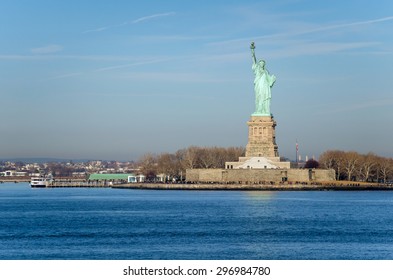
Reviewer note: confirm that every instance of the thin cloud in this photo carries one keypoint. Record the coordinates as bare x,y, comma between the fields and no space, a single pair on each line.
153,16
47,49
105,28
131,64
176,77
145,18
345,25
329,27
305,31
68,75
97,29
309,48
68,57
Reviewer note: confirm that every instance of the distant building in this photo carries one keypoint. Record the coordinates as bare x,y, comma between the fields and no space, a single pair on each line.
117,178
136,178
113,178
13,173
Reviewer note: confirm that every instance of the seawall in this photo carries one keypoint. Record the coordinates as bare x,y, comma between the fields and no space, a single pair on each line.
239,187
296,186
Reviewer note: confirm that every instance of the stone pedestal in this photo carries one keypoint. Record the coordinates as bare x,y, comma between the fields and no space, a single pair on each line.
261,137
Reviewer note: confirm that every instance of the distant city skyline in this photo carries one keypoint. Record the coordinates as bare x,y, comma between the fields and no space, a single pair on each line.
116,80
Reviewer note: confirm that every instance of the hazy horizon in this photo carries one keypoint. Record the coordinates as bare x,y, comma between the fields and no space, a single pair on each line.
114,81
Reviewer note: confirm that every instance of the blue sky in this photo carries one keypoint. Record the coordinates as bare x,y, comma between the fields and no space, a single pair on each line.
118,79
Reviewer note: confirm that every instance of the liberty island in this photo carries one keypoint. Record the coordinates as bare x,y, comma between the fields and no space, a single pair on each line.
261,162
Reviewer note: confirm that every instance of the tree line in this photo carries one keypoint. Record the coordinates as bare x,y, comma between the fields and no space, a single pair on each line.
175,164
350,166
353,166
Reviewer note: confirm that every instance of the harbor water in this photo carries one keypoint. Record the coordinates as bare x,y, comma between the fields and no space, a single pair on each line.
112,224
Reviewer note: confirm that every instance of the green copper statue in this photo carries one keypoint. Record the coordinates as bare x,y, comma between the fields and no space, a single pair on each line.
263,83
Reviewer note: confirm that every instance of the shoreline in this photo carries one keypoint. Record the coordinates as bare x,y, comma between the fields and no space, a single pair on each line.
235,187
298,186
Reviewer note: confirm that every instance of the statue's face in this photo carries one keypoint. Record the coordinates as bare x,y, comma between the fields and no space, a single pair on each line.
262,63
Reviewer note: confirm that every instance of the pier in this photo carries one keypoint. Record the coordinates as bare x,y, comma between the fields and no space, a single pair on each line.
78,184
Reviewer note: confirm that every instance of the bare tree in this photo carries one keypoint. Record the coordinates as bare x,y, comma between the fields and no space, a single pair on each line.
367,166
350,164
328,160
190,159
206,158
385,168
235,152
148,166
220,157
333,159
168,164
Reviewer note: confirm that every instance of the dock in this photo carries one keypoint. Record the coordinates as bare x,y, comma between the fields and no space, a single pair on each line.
78,184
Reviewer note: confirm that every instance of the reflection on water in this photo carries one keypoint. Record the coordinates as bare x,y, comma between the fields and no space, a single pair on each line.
260,195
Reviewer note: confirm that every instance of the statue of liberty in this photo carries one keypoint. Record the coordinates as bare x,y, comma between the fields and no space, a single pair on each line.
263,83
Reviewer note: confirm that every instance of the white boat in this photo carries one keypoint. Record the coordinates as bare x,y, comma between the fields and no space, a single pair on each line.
39,182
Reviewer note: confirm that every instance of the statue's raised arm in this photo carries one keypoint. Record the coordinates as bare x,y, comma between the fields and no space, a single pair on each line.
252,47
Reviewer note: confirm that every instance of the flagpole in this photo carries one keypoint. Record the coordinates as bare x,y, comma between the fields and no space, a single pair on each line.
297,148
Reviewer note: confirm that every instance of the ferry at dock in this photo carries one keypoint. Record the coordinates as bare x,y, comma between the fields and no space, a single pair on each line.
40,182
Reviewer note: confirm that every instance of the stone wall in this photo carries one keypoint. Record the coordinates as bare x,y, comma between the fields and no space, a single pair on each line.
325,174
252,175
259,176
204,175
